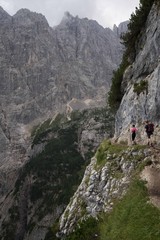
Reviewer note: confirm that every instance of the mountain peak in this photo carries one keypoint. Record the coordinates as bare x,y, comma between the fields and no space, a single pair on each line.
122,28
3,14
25,17
68,15
67,18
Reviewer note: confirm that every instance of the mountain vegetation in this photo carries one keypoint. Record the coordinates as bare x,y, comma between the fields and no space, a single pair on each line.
115,94
130,40
52,175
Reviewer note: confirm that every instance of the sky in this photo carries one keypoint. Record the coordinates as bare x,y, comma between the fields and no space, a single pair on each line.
105,12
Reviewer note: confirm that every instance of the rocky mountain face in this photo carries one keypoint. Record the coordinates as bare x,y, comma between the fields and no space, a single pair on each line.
43,71
76,64
121,29
42,68
141,80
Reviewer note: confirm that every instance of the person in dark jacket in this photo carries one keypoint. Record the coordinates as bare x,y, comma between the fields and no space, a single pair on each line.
149,127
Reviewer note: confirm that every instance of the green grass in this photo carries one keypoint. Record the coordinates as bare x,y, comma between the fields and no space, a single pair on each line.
138,147
87,230
105,149
133,218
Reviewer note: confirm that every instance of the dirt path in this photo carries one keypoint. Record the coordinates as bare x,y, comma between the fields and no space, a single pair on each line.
152,175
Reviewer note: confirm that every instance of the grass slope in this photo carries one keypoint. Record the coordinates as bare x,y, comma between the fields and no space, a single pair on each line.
133,218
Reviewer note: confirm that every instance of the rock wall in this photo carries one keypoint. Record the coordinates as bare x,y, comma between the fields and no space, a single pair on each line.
136,108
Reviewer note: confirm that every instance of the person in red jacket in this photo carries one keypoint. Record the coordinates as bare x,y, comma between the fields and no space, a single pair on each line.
133,131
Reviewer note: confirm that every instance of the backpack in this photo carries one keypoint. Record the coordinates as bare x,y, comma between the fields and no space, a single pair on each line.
150,128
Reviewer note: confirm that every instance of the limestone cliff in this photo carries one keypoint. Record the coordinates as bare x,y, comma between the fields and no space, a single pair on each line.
142,102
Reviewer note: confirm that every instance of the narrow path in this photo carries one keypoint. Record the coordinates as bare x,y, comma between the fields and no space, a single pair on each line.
152,175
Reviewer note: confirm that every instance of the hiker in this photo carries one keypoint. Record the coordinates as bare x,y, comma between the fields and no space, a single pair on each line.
149,130
133,131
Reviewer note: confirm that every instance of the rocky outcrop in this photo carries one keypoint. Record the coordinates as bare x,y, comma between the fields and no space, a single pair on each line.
102,183
136,107
121,29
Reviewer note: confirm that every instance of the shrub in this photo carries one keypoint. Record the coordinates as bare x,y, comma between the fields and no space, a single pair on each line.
115,94
87,230
140,87
107,148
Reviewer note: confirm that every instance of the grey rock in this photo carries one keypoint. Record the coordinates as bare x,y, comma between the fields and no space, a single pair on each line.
42,69
121,29
136,109
99,191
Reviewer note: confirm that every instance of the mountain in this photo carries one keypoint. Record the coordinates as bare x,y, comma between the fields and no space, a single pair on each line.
45,71
43,68
54,191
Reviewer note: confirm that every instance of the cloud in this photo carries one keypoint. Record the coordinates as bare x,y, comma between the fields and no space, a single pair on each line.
115,11
105,12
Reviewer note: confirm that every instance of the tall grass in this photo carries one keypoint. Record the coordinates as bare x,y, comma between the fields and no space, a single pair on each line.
133,218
